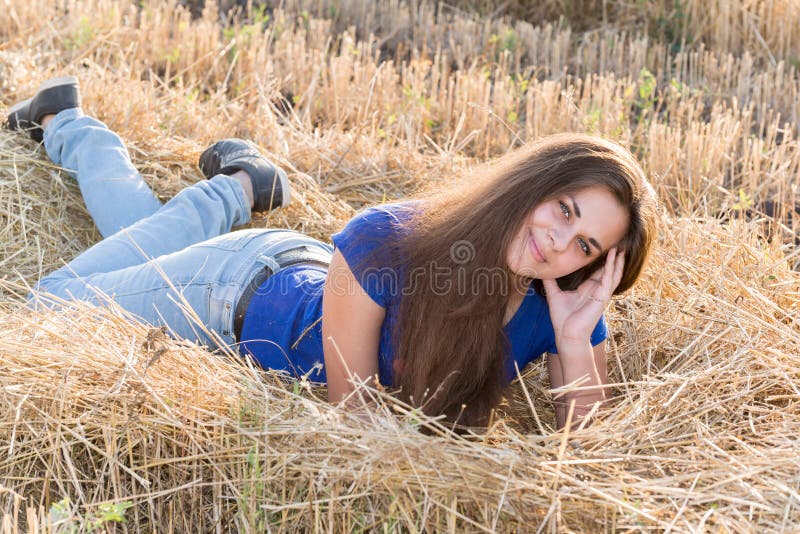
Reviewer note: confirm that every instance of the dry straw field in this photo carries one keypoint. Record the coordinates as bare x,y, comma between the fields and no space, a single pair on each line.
103,419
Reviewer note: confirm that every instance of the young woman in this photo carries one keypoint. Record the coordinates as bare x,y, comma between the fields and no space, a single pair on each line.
445,296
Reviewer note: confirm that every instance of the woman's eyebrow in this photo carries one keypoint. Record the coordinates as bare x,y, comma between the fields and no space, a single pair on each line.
577,212
575,207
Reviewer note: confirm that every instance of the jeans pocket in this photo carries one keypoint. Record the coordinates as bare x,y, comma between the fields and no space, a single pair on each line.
221,307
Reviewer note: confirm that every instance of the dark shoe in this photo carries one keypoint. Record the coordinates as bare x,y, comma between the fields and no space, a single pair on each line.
270,183
53,96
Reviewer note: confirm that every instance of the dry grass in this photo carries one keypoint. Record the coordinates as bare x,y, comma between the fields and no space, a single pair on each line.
704,435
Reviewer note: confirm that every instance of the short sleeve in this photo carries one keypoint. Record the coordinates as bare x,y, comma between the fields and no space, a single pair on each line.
599,334
368,243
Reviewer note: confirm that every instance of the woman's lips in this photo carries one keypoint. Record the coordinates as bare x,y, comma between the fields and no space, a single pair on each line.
537,254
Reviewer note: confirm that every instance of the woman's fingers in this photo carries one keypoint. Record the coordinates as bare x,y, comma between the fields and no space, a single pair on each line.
600,286
611,274
619,268
608,274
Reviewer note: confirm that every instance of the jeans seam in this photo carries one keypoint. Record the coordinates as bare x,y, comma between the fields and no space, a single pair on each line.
178,289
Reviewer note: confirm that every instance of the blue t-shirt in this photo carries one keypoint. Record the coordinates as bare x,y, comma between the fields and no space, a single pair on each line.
282,328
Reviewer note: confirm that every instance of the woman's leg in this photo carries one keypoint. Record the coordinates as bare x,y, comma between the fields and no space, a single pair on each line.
190,287
114,192
202,211
192,291
121,203
173,264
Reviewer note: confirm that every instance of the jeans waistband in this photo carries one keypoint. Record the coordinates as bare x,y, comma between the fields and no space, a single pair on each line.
284,259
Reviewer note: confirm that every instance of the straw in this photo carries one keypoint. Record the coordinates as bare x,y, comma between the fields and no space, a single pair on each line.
703,352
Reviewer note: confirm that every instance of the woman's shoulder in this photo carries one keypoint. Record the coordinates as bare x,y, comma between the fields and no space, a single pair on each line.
378,222
397,212
369,244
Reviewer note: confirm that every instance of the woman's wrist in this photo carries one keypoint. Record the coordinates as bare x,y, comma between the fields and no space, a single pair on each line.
578,367
568,346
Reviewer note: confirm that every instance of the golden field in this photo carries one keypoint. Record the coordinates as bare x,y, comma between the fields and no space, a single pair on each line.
108,425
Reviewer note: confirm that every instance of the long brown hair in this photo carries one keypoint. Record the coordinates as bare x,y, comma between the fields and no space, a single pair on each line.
449,342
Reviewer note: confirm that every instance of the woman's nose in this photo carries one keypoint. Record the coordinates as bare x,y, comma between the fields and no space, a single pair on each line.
560,238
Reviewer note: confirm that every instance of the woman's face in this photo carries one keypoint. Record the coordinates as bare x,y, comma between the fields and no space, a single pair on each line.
566,233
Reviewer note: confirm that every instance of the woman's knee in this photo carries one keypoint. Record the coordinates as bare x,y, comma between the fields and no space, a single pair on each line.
52,288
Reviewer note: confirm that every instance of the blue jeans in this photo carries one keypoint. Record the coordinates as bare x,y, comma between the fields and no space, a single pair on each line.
175,264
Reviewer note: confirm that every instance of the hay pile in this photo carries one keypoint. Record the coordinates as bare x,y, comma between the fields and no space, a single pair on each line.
704,354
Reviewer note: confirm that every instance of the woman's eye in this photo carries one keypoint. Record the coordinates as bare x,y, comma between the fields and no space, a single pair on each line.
584,246
564,209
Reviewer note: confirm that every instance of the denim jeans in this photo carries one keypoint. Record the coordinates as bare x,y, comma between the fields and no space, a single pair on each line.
177,264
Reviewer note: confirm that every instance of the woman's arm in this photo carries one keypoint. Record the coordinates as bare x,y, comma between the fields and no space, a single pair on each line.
351,328
593,367
574,315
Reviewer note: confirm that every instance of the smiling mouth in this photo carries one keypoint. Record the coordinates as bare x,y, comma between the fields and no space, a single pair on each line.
537,254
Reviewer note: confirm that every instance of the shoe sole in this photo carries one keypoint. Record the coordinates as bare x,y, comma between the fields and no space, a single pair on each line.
55,82
286,191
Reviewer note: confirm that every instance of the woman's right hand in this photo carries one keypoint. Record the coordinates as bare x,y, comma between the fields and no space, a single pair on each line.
574,314
351,329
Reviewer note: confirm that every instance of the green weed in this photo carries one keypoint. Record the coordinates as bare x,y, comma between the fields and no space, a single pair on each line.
81,36
62,518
